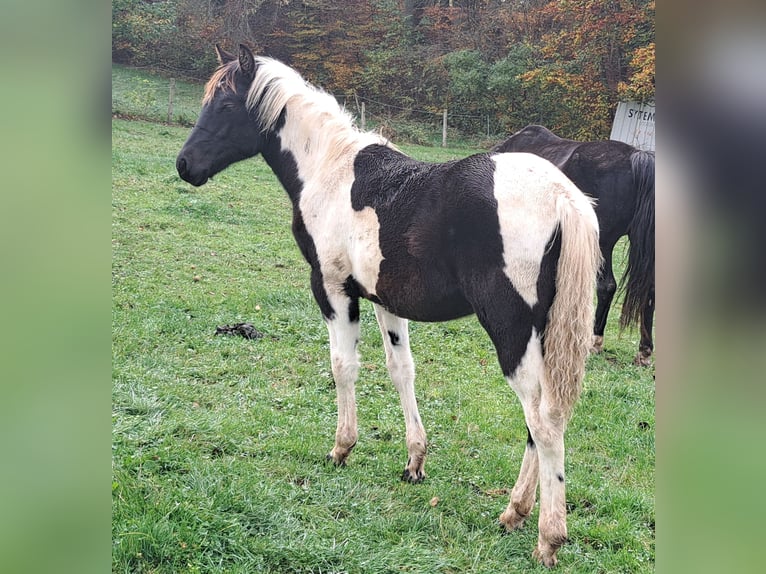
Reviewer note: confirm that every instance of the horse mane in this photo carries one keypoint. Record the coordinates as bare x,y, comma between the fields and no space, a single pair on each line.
332,129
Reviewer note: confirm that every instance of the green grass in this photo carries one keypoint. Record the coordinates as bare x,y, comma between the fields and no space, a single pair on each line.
219,442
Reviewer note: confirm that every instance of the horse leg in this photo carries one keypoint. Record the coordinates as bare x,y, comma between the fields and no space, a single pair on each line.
402,370
548,434
646,345
524,491
343,327
546,423
520,354
606,286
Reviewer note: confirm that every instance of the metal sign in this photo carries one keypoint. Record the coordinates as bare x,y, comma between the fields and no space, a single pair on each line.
634,125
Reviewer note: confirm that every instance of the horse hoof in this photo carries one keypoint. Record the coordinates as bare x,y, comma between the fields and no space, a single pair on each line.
643,359
415,478
335,462
547,559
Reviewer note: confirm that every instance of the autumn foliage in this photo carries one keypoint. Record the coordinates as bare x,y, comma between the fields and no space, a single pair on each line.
562,63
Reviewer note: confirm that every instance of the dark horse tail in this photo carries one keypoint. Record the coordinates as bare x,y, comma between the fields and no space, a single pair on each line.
638,279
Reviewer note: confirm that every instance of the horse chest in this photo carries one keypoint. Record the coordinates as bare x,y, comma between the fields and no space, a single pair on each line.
346,242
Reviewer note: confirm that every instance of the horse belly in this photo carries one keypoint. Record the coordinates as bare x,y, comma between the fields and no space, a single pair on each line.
421,297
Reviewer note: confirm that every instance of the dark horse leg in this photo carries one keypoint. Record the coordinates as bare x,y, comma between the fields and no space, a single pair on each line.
606,286
646,346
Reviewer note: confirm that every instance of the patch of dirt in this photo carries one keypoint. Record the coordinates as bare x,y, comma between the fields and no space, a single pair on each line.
245,330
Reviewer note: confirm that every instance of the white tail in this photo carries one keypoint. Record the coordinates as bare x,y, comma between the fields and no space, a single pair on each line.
570,321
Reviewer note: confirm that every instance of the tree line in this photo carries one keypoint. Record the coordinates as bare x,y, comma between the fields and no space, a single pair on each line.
564,63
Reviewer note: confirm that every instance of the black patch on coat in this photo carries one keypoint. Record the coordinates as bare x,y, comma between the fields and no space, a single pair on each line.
282,162
394,338
352,290
530,440
284,166
438,222
502,311
546,283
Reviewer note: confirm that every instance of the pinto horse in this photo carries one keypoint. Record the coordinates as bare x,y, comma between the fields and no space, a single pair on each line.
505,236
621,178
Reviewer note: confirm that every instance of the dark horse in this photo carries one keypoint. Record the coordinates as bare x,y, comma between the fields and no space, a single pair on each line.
621,178
505,236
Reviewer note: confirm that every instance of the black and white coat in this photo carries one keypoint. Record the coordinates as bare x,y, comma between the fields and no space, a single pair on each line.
505,236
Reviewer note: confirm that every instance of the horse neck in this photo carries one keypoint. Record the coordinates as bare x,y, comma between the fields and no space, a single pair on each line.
305,148
284,166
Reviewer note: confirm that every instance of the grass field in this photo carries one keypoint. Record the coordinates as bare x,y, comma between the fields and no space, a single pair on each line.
219,442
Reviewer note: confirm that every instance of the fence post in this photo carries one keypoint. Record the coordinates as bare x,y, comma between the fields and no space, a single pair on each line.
364,120
170,99
444,128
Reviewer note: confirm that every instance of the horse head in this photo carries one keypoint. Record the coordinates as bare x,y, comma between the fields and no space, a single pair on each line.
226,131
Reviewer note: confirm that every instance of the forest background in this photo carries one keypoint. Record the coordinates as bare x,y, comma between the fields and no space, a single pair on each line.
496,65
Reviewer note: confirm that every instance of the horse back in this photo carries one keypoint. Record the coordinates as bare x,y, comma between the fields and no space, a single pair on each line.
601,169
444,228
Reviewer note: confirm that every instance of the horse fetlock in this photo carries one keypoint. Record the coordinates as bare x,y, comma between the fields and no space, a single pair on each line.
597,345
512,518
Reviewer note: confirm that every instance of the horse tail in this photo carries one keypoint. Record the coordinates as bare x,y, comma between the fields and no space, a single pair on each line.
637,282
567,337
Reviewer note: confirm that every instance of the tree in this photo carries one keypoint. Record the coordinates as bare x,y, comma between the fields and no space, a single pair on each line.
583,59
564,63
640,85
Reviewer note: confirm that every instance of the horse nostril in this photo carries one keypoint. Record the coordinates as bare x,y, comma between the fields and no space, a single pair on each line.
181,166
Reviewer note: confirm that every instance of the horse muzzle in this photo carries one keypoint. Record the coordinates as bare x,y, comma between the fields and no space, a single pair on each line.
188,174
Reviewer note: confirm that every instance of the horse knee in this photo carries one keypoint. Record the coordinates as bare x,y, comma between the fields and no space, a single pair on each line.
606,287
344,369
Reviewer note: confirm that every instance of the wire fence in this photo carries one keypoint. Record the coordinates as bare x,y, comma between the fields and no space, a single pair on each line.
419,125
142,93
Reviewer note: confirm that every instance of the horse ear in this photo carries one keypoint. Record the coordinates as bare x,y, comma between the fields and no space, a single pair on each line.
223,56
246,61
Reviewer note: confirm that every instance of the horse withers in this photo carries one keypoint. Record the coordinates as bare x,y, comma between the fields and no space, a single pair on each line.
505,236
621,179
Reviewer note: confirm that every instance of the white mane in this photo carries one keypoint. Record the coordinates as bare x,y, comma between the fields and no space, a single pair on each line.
327,129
